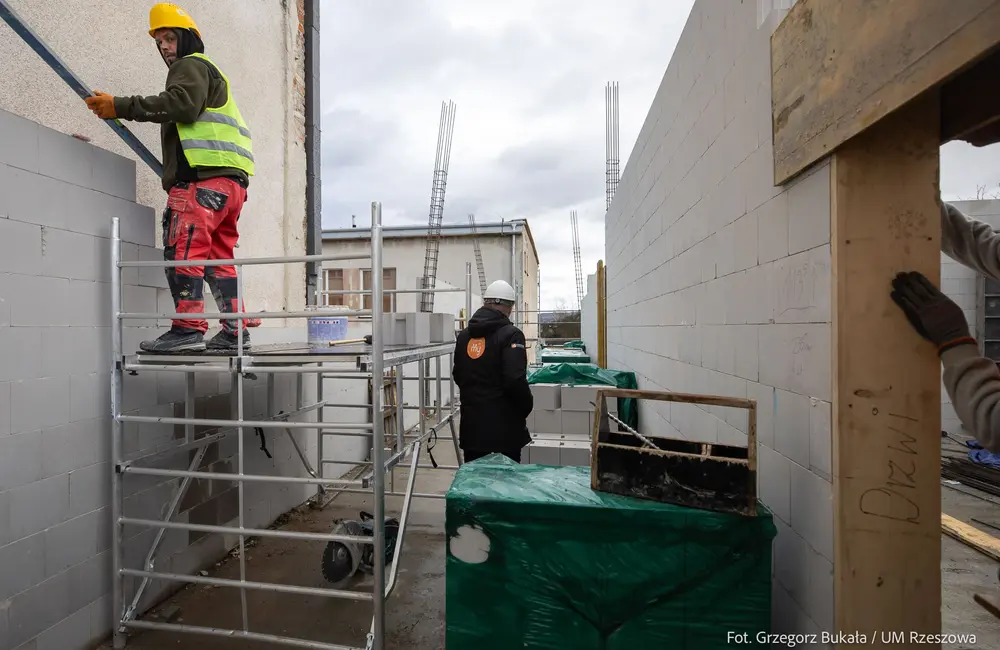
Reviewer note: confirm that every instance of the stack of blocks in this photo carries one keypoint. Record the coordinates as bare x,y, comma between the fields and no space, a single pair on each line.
417,328
561,424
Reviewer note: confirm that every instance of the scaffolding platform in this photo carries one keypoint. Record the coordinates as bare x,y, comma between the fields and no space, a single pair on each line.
375,363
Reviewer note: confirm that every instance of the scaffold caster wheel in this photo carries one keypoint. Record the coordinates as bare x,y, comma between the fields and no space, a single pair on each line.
342,559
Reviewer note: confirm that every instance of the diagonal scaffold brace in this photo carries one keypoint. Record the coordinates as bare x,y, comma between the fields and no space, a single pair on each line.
22,29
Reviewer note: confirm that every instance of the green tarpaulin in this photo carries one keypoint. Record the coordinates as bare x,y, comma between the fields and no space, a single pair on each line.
538,560
575,344
591,374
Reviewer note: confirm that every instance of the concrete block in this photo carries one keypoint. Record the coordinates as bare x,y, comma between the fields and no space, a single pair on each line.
20,460
577,398
71,633
20,245
772,229
798,358
809,211
791,558
791,426
576,422
812,509
529,421
774,481
765,397
548,421
820,438
442,328
148,276
65,158
4,630
24,565
38,301
4,408
546,396
39,403
89,396
88,581
418,328
801,285
71,543
40,607
74,445
74,255
39,505
819,593
5,536
543,452
574,453
113,174
20,142
89,489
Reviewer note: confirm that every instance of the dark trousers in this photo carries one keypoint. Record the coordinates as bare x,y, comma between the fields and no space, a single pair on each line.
472,454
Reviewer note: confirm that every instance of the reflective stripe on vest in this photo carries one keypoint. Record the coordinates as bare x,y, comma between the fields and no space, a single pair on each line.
219,137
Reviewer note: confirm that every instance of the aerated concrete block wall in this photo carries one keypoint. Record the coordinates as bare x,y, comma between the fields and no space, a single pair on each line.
719,283
588,318
961,284
57,197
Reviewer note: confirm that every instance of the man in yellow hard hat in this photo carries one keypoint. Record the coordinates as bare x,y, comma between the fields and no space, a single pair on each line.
207,165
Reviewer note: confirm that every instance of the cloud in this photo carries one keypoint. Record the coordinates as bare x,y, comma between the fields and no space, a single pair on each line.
528,81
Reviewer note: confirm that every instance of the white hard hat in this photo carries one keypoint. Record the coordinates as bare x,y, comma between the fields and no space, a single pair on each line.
499,290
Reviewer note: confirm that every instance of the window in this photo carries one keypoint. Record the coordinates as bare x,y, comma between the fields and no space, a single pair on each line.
334,282
388,282
358,280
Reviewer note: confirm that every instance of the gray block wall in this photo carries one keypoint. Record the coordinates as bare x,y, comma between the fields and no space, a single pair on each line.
588,317
719,283
57,197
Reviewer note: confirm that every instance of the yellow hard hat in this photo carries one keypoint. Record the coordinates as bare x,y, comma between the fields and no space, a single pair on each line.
168,15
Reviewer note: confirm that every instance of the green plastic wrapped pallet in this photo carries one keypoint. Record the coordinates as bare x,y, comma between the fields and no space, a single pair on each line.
563,355
536,559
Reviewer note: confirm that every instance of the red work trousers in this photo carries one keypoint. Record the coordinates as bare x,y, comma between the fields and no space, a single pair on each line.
200,224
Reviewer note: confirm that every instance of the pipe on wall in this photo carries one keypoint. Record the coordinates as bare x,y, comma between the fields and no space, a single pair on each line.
314,143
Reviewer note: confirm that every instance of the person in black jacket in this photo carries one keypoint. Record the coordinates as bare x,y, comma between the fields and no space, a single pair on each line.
491,366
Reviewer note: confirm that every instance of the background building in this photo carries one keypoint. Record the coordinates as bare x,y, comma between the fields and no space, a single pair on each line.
505,246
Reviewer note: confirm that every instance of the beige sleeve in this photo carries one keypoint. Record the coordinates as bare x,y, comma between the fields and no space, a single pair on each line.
970,242
973,384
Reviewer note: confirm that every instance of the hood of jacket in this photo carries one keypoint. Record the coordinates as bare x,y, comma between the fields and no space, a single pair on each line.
486,321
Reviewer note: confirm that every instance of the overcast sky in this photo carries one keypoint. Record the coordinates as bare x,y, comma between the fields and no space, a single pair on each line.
528,80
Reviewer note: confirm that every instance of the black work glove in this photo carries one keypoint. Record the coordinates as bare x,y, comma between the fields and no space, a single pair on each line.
934,315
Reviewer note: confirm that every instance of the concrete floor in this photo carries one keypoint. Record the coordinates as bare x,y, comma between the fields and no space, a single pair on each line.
415,611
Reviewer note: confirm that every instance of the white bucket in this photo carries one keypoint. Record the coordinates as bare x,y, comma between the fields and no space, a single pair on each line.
323,329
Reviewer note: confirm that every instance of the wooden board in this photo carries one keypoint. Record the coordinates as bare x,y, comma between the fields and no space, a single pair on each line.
602,316
971,536
839,66
886,379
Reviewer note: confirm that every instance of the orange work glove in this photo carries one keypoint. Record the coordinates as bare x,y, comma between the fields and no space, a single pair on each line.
103,105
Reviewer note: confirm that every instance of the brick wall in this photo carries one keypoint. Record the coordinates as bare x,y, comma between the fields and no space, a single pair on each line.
57,196
719,283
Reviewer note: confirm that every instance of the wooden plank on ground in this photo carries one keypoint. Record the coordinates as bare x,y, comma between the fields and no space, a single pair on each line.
971,536
839,66
885,218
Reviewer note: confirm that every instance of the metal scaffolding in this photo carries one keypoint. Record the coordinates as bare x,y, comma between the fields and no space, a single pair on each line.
371,363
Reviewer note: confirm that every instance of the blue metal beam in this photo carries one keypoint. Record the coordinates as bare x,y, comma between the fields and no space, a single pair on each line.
52,59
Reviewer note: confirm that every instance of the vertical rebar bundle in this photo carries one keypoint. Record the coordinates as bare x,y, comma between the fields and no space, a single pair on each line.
576,259
611,139
479,255
442,158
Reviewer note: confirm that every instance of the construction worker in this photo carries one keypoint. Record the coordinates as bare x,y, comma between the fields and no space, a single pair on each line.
971,380
207,165
491,366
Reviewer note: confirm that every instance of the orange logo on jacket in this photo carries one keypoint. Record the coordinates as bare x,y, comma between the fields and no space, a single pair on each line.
476,348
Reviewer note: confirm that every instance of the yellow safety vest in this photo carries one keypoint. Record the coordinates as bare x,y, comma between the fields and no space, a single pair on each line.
219,137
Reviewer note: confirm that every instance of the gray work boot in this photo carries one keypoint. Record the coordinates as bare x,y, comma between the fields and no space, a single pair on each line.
176,339
226,340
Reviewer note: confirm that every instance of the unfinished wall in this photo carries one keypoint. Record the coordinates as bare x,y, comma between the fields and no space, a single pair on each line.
588,317
961,284
57,197
719,283
117,56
